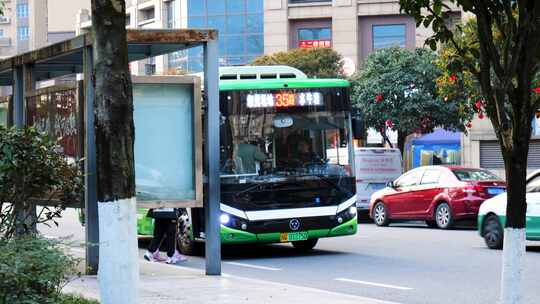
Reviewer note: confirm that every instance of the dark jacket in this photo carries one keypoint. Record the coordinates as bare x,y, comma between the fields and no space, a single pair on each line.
168,213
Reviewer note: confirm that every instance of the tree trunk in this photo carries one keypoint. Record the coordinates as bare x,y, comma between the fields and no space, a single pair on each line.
514,249
119,269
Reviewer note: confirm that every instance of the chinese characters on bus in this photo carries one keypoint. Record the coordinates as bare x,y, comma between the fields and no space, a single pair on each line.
284,99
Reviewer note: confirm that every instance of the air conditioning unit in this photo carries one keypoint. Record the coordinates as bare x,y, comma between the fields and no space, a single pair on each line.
4,19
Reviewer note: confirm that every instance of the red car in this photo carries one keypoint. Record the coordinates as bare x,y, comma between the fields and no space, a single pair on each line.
439,195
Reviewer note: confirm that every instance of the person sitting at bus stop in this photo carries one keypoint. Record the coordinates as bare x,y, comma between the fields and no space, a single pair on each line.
165,227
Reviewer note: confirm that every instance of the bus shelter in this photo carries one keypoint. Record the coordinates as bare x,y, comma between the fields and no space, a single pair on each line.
75,56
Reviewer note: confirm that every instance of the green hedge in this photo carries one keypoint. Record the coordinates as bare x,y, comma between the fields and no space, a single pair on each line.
34,271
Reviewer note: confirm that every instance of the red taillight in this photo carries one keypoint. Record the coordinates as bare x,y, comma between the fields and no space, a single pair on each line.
473,190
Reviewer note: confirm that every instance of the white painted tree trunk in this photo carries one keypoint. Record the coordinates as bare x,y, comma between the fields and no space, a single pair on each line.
513,266
118,272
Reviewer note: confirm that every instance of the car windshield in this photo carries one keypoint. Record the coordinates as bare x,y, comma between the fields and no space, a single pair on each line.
467,175
268,144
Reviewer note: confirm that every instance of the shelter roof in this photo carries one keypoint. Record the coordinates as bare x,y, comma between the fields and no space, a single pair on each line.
66,57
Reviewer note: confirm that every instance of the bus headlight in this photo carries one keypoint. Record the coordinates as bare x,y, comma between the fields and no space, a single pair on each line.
224,218
346,215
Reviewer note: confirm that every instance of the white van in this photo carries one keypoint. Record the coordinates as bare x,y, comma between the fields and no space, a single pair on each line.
374,168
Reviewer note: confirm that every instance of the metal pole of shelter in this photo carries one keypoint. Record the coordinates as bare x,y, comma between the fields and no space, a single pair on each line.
18,97
90,195
212,207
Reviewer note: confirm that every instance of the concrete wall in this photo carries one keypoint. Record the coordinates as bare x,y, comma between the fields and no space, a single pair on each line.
276,26
62,14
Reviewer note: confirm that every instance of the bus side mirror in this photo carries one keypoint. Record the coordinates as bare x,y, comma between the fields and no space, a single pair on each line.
358,129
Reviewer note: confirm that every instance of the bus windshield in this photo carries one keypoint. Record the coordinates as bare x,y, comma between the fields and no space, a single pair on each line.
262,143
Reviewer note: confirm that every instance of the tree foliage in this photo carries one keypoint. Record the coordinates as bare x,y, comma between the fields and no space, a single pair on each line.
500,55
315,62
396,89
32,171
459,84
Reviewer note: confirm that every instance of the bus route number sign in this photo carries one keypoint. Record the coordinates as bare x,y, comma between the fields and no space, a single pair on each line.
283,100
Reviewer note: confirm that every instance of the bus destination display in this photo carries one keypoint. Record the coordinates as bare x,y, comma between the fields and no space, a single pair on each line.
283,100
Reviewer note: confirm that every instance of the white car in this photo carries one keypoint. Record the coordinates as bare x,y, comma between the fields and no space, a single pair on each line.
492,215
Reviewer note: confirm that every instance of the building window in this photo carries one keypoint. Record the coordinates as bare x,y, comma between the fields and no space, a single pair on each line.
388,35
22,33
314,37
128,19
22,10
170,13
241,28
147,14
1,33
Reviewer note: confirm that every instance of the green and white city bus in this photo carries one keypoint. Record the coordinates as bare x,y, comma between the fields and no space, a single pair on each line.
287,169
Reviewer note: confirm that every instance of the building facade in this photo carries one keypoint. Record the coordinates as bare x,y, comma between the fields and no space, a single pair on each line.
239,22
480,147
354,28
31,24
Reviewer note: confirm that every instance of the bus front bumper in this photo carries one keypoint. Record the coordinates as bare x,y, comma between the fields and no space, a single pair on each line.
235,236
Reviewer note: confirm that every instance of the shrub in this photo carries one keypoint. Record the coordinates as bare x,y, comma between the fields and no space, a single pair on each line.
316,62
34,271
33,171
73,299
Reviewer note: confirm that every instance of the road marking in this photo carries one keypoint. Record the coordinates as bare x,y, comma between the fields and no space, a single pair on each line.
253,266
358,299
373,284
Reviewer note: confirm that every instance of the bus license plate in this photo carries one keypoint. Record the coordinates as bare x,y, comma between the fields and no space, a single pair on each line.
293,236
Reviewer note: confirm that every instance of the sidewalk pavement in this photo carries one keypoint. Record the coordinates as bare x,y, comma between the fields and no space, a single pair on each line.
164,284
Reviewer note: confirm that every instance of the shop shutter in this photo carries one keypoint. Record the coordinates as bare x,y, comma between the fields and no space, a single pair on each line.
491,157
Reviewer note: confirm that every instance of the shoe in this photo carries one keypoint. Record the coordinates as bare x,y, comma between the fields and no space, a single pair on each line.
154,257
158,257
177,257
149,256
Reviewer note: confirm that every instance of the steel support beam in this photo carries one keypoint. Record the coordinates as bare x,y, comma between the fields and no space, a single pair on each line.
90,195
18,97
211,208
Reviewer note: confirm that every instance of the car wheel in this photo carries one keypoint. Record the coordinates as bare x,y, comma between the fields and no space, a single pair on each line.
443,216
493,232
380,215
185,244
431,223
306,245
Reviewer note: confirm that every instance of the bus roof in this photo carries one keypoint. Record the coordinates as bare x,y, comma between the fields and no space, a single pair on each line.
292,83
